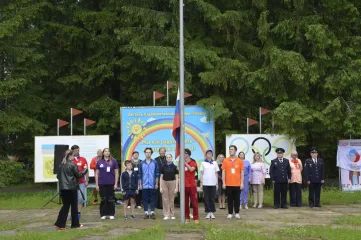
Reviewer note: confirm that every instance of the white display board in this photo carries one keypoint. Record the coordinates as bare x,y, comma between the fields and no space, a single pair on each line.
44,152
265,144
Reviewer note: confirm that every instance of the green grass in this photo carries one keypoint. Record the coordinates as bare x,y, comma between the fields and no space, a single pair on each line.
349,220
318,232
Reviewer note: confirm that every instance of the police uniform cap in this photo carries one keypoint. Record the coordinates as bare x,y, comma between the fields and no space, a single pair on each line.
280,150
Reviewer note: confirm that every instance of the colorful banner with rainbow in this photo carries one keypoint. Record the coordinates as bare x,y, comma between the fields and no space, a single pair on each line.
152,127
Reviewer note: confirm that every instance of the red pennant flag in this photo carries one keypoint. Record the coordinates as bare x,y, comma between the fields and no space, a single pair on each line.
187,95
89,122
158,95
251,122
75,111
264,110
62,123
170,84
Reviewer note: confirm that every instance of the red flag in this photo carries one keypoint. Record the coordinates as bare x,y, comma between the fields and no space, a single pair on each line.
89,122
75,111
158,95
251,122
187,95
170,84
264,110
62,123
176,127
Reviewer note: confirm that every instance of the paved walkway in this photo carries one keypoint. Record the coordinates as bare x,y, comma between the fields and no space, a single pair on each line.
260,219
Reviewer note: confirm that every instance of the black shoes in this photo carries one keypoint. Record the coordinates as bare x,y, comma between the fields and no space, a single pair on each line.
152,216
146,216
276,207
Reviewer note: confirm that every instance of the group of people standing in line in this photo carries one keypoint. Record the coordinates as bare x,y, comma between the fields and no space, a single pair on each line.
156,182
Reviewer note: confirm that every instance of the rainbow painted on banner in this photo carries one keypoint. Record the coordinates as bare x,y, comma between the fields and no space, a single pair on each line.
162,124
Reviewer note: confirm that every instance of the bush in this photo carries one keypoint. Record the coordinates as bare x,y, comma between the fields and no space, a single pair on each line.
13,173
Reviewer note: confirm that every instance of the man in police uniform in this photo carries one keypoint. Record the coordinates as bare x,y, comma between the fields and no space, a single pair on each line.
315,177
280,172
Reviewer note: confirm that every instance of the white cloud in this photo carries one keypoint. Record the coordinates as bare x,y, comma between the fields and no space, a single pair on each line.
151,119
204,120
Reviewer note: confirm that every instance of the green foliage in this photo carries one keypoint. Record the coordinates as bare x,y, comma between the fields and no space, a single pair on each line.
13,173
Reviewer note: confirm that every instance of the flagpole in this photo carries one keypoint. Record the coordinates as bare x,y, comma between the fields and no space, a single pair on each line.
247,126
181,94
71,121
273,125
167,95
84,126
153,98
57,127
260,121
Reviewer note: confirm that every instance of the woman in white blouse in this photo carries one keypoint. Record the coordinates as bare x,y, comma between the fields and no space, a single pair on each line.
258,179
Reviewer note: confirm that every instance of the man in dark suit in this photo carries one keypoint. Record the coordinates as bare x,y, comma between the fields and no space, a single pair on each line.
161,160
280,172
315,177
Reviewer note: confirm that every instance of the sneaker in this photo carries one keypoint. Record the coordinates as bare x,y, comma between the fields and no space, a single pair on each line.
128,207
229,216
173,218
80,226
254,205
166,218
212,216
260,206
188,221
191,216
208,216
95,202
152,216
146,216
111,217
119,202
196,221
125,217
237,216
245,206
104,217
133,217
139,207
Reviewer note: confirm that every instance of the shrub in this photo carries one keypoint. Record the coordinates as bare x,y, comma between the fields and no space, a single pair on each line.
13,173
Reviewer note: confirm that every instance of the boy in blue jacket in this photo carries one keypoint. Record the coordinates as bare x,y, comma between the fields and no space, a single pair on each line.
129,182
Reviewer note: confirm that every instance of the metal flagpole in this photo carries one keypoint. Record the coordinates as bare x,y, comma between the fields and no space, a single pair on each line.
247,126
181,95
153,98
260,121
57,127
167,95
84,126
71,121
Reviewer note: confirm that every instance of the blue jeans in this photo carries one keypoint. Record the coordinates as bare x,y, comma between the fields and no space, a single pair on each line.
149,195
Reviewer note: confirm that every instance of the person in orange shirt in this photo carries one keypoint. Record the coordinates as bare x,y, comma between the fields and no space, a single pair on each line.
232,176
93,165
296,181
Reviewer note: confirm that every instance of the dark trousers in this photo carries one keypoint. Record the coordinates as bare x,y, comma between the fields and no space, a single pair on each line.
314,193
69,198
209,194
158,199
107,205
233,199
295,194
149,195
280,194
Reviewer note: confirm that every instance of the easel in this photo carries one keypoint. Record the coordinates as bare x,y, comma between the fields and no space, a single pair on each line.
57,194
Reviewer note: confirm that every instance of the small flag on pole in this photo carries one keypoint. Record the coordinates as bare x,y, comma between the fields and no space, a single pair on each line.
169,84
75,112
250,122
186,95
157,95
89,122
176,127
262,111
62,123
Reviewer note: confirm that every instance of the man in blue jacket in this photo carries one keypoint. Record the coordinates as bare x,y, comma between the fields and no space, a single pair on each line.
148,176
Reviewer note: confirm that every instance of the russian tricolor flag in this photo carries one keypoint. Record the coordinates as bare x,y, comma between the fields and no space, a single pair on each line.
176,127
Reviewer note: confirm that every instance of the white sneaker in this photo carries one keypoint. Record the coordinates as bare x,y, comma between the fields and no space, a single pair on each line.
237,216
208,216
104,217
139,207
260,206
173,218
166,218
212,216
191,216
245,206
229,216
128,207
254,205
111,217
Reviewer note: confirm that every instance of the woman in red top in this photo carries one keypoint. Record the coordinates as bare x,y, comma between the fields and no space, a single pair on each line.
93,166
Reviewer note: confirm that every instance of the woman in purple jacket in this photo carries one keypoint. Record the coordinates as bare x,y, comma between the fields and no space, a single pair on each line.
246,179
